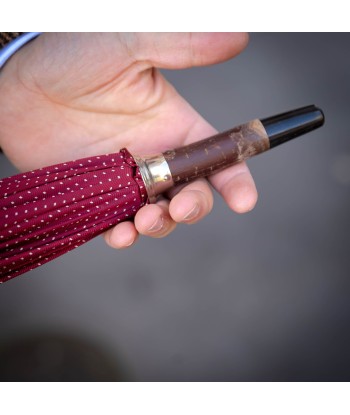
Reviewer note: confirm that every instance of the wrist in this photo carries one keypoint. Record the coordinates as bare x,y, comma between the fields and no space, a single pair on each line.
10,43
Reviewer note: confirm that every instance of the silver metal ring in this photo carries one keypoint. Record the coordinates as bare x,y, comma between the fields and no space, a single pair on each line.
156,175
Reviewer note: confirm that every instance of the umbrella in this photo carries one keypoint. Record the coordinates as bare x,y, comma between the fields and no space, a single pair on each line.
50,211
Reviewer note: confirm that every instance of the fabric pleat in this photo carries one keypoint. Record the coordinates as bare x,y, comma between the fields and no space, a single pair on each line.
47,212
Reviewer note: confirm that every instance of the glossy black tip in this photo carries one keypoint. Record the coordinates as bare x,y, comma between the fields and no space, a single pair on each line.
283,127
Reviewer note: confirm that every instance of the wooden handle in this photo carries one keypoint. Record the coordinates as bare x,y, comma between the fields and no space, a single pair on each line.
215,153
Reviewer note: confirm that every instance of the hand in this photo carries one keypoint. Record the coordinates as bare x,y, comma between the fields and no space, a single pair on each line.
67,96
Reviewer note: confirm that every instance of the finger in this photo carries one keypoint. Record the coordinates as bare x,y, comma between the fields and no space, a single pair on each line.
192,203
235,183
237,187
122,235
154,220
183,50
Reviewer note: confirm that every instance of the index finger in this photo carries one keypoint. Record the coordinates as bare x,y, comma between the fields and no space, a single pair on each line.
237,187
235,184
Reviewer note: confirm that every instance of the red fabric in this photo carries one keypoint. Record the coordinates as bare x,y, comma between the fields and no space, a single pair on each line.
50,211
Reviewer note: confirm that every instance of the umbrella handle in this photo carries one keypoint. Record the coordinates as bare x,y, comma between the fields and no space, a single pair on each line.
208,156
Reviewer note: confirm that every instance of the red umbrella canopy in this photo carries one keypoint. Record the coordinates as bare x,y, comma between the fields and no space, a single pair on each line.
50,211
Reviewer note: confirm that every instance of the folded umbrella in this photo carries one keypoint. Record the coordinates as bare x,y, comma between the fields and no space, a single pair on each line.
50,211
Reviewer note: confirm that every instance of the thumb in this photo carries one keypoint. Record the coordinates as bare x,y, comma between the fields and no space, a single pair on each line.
183,50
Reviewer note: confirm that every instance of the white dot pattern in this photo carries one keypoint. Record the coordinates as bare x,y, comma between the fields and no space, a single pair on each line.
50,211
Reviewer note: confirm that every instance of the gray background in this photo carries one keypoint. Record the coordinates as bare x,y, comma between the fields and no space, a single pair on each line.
262,296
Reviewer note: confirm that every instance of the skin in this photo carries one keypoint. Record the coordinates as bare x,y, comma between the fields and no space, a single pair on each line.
66,96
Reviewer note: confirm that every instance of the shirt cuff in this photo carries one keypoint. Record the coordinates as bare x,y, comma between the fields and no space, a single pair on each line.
16,44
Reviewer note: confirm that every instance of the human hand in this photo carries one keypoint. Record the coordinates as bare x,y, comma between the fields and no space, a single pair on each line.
66,96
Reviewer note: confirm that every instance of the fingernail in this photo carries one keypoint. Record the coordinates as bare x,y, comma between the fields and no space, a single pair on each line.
130,243
192,213
124,243
157,226
123,246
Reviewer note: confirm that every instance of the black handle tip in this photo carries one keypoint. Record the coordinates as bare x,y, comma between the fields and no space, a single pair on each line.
288,125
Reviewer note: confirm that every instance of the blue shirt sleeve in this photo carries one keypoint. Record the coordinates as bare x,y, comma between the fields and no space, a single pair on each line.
12,47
